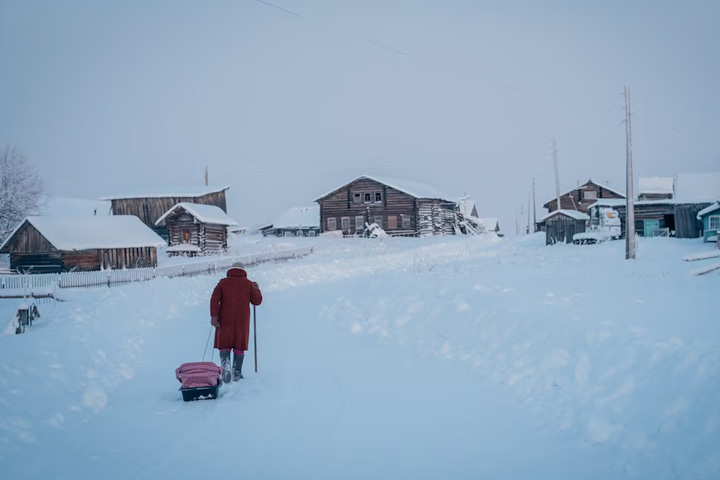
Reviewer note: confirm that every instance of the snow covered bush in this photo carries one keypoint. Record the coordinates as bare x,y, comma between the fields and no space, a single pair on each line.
21,190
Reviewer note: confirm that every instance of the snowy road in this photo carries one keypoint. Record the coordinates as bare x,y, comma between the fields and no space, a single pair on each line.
408,364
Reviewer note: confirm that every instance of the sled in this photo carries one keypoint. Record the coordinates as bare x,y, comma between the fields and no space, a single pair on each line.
200,380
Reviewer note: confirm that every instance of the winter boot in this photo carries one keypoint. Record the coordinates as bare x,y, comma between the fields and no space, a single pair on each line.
237,366
225,364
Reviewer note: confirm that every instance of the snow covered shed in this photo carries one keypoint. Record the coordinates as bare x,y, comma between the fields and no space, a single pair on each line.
149,206
581,197
561,225
296,222
204,227
399,207
58,244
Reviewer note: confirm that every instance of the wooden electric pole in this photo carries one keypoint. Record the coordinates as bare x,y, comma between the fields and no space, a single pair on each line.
557,173
206,175
534,229
630,202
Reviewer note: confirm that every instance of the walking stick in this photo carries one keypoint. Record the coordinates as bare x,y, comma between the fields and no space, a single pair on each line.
255,335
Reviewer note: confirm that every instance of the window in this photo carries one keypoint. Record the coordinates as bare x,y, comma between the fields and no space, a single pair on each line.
345,223
590,194
392,222
367,198
332,224
185,236
714,222
378,197
356,198
359,223
378,219
406,222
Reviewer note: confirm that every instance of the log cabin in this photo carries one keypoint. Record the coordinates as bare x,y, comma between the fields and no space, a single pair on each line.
204,227
581,197
397,206
61,244
561,225
148,207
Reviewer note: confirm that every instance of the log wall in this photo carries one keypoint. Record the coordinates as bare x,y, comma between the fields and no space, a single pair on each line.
578,199
150,209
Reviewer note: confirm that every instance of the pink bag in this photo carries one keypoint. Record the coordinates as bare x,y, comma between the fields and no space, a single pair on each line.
199,374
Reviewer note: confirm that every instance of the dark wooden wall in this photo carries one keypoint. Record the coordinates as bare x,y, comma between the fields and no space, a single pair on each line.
560,229
213,238
680,218
28,240
150,209
686,223
578,199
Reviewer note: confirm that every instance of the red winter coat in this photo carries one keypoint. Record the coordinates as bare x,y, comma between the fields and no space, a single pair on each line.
230,302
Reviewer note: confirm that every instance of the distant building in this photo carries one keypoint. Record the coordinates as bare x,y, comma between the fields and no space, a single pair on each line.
194,228
710,218
491,225
655,188
399,207
561,225
59,244
296,222
581,197
149,206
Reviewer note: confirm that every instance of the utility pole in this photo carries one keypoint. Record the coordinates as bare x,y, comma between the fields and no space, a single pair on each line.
522,219
529,217
557,173
533,206
630,202
206,175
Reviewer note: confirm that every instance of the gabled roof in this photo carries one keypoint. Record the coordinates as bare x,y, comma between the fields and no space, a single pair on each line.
466,206
697,187
202,213
299,217
489,223
182,192
88,233
417,190
606,187
656,185
710,209
568,213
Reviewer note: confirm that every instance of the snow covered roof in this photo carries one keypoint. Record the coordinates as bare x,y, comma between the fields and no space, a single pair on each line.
417,190
615,202
299,217
710,209
74,207
606,187
466,206
203,213
86,233
656,185
569,213
489,223
171,192
697,187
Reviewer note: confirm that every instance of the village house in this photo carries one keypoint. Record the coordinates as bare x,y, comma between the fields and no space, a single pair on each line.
149,206
60,244
296,222
581,197
710,218
398,207
561,225
194,229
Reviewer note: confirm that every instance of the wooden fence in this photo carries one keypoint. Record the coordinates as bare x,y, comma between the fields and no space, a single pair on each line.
18,285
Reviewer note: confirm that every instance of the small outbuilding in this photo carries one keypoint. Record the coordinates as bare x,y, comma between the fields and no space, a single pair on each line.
60,244
561,225
196,229
710,218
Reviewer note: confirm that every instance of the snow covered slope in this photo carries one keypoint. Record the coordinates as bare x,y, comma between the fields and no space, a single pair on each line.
402,358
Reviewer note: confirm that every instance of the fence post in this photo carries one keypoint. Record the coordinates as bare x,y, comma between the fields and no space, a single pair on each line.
183,270
108,279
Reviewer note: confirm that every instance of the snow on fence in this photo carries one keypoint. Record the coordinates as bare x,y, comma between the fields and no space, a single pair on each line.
11,284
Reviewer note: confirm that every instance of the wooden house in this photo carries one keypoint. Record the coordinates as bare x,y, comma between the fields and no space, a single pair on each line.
398,207
652,217
148,207
694,192
196,229
59,244
710,218
581,197
561,225
296,222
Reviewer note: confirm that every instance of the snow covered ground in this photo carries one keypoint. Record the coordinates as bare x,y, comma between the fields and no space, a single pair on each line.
450,357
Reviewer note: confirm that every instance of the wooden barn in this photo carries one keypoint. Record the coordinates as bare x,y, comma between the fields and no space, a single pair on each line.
561,225
398,207
296,222
60,244
581,197
196,229
148,207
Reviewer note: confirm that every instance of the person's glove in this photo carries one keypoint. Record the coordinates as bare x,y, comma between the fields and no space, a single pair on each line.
215,322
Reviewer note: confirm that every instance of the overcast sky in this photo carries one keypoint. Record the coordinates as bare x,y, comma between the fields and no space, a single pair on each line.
287,101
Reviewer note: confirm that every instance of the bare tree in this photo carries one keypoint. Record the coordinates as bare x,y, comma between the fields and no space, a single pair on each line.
21,190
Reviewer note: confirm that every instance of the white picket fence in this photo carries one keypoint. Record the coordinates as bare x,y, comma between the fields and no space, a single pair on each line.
208,266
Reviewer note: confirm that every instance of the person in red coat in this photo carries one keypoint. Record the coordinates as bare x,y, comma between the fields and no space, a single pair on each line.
230,315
